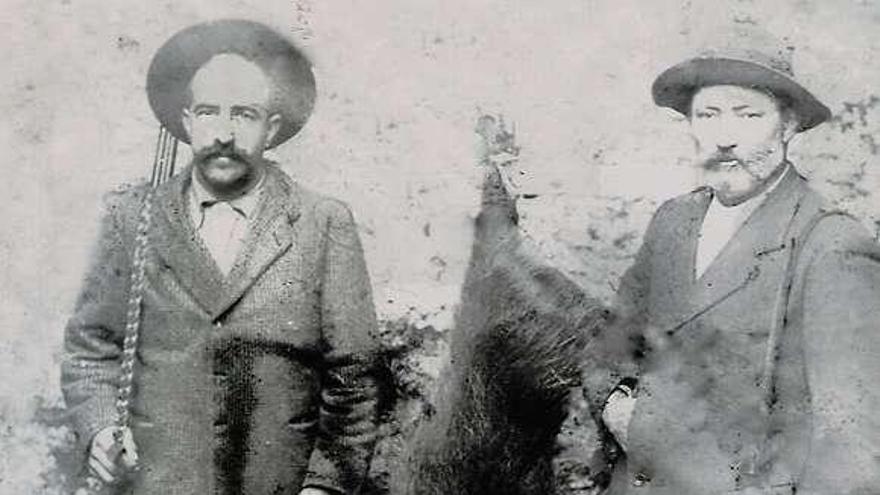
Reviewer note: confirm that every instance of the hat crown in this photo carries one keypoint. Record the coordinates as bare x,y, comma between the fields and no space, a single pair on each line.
778,61
752,45
743,56
285,65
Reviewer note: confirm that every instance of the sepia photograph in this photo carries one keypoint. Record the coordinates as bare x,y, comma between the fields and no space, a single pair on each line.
492,247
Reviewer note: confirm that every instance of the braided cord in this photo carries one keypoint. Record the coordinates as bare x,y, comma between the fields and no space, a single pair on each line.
133,318
163,169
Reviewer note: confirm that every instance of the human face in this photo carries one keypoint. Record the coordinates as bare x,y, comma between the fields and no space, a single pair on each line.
740,136
229,124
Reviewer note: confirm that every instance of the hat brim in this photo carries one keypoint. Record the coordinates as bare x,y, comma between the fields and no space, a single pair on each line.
675,87
177,61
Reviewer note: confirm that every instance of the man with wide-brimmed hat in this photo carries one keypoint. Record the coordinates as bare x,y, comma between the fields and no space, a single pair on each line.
752,311
247,355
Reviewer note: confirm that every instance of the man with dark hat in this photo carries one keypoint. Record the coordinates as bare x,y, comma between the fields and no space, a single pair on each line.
248,368
752,311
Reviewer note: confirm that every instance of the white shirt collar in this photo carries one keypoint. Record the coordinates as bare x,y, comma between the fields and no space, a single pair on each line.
721,223
246,204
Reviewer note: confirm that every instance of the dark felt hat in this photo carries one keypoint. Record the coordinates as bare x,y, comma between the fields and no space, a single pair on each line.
176,62
748,58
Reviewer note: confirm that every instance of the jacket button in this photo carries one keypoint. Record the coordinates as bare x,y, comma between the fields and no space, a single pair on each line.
640,479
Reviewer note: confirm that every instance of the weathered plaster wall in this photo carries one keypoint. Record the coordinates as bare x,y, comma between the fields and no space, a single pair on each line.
400,86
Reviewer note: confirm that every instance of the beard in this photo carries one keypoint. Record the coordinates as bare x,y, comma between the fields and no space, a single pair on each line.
226,169
735,179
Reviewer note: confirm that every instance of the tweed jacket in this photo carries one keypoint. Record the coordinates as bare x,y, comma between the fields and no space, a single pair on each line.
259,382
723,409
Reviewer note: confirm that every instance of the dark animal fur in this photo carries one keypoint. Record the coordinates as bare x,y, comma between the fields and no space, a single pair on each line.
516,354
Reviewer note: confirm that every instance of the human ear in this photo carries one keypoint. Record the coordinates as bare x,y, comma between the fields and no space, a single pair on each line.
274,127
790,124
186,118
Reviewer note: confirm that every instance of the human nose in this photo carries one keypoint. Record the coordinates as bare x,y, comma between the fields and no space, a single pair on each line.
226,131
223,130
725,148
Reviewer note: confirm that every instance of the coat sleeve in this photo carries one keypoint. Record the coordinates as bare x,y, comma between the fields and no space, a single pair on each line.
613,355
347,423
93,336
841,312
587,449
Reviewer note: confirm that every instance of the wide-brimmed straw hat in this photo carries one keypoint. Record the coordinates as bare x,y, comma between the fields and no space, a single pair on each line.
744,57
176,62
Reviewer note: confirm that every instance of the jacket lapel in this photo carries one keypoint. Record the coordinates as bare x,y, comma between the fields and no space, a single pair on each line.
759,241
179,246
268,238
686,236
673,261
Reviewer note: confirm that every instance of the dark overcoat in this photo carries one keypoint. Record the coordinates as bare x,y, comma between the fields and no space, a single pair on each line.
258,382
721,408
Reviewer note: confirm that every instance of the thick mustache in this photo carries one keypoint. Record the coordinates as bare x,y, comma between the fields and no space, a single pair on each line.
719,158
221,151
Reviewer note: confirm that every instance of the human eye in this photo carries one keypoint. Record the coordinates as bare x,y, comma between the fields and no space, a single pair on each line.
246,114
750,114
704,114
205,111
